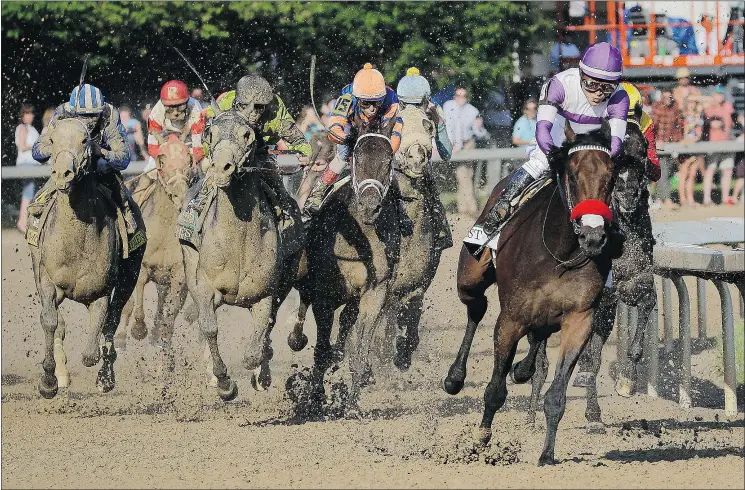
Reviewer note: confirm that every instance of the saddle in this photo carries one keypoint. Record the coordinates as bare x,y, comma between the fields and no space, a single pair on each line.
477,236
43,202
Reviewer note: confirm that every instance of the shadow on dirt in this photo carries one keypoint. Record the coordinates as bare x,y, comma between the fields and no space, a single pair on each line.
670,454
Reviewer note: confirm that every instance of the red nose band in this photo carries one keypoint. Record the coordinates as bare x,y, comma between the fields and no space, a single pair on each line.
591,206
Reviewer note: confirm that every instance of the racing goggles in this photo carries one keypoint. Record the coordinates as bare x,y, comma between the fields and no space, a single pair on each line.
257,108
176,110
366,104
593,86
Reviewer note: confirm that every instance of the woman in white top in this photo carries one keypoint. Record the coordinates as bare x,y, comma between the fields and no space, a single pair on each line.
26,136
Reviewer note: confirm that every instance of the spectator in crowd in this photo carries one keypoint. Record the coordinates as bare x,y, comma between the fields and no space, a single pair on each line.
465,126
309,123
690,164
738,131
523,134
569,52
669,119
684,88
135,139
497,119
145,113
198,94
25,137
717,127
326,111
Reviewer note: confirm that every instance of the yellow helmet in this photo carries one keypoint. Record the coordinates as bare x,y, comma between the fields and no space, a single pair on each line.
635,98
368,84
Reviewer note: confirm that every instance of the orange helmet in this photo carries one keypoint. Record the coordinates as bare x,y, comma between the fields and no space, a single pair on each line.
368,84
174,92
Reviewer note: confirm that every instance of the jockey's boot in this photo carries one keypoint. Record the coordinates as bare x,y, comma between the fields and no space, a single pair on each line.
501,210
119,193
315,199
443,235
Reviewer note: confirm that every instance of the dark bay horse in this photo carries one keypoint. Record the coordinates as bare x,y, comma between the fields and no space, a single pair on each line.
552,261
351,250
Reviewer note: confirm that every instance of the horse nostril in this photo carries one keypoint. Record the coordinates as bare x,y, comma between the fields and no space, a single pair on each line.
227,167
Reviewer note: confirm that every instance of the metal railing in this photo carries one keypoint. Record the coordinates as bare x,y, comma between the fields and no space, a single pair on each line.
492,156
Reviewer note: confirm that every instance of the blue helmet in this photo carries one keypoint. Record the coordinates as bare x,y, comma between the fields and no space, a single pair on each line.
413,88
86,99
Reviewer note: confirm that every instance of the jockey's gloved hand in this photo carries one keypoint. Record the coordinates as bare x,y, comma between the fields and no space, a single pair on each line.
96,151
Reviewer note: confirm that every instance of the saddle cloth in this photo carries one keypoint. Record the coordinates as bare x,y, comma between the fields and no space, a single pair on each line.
477,236
43,202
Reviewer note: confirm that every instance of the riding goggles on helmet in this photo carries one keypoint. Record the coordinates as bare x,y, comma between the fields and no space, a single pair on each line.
594,86
370,103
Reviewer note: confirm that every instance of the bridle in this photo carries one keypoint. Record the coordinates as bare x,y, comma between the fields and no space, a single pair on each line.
80,163
361,186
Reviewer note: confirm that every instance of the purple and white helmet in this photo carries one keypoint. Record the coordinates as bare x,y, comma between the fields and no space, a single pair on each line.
603,62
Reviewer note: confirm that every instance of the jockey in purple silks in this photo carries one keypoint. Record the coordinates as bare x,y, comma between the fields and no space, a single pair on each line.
584,96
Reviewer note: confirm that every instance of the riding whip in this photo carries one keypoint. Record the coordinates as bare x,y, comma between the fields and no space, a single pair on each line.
84,70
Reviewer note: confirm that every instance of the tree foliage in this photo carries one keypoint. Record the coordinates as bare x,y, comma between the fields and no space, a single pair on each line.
451,42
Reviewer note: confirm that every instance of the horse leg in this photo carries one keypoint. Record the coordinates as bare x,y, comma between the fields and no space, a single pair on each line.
139,329
226,387
174,297
347,319
575,331
297,340
127,278
386,342
507,334
322,355
60,357
371,307
522,371
259,349
120,339
49,317
409,317
474,277
156,334
645,305
539,379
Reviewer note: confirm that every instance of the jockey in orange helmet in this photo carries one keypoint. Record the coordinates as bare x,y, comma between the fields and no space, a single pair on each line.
376,104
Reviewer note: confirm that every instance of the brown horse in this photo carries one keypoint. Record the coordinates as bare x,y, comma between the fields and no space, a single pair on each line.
352,248
163,263
80,256
550,267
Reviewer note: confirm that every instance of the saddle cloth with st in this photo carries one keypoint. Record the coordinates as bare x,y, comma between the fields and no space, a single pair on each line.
41,205
200,198
477,236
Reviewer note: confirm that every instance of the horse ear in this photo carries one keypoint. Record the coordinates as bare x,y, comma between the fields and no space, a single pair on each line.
388,129
569,132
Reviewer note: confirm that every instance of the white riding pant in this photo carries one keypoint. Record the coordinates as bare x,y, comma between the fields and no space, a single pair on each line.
537,164
340,161
150,165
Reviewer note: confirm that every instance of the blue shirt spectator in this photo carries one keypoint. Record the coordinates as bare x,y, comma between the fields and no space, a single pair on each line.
523,133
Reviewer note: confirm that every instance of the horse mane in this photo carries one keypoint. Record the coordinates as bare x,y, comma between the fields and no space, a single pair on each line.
597,137
635,146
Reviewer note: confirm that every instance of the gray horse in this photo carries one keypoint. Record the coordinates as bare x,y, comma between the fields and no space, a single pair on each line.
241,260
79,255
351,251
163,263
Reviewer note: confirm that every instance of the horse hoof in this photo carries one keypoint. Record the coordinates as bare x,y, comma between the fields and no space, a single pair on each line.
546,460
259,382
481,436
402,360
582,380
48,390
139,330
452,386
595,428
297,342
229,394
105,383
624,387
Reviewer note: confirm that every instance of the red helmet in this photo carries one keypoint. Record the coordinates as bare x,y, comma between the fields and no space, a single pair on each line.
174,92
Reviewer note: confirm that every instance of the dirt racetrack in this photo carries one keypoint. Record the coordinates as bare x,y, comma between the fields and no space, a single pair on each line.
158,431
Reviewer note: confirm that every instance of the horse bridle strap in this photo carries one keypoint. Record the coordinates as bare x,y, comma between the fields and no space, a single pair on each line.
361,186
589,147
